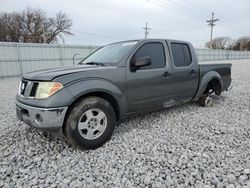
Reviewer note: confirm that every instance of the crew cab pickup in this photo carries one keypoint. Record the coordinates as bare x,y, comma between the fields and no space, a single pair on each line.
84,102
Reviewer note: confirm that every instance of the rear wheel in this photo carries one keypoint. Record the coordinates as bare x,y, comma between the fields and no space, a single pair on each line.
90,123
205,101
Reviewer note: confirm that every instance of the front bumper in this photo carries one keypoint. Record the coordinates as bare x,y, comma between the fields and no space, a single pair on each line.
48,119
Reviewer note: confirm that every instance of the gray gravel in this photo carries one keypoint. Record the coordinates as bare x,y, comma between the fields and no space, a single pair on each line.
178,147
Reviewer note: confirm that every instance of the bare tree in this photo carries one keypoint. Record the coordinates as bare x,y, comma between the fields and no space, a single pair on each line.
219,43
242,44
3,29
10,27
231,45
58,26
32,25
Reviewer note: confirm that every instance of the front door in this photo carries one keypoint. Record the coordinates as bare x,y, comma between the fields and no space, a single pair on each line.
148,87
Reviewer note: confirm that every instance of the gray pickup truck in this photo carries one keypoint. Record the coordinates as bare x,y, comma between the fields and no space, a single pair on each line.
84,102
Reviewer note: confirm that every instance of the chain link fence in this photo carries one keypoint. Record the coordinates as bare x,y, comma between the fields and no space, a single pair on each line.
19,58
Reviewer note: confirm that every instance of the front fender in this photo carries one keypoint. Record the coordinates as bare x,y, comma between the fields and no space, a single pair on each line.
204,81
84,87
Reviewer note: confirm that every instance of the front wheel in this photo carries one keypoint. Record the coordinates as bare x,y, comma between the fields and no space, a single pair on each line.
90,123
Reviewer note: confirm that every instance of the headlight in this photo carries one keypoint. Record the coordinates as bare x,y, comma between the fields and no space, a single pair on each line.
46,89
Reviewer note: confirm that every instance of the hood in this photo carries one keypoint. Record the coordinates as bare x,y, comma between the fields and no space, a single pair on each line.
50,74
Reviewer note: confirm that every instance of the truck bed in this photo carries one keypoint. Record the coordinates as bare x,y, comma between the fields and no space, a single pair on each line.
223,69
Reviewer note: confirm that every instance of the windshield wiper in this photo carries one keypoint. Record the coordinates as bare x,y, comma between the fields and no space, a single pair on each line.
94,63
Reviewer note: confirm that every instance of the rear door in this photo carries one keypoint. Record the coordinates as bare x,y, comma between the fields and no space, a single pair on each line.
185,70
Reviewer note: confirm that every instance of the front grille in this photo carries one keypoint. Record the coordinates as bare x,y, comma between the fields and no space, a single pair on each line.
28,88
33,90
22,87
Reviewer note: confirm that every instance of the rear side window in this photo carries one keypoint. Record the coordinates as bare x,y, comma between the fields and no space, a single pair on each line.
155,51
181,54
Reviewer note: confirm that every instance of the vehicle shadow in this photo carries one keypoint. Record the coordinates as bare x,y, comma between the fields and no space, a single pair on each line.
149,119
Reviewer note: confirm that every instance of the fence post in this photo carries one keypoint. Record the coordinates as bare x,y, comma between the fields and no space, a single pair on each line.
228,52
61,55
19,59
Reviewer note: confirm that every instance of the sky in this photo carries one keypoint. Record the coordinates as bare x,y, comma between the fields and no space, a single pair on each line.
99,22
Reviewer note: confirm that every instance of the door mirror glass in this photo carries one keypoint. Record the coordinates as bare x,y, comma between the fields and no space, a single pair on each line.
142,62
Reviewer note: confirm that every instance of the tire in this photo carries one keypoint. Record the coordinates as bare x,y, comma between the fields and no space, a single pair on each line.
205,101
90,123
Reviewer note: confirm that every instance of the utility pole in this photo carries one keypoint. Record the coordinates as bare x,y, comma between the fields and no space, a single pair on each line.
211,23
146,30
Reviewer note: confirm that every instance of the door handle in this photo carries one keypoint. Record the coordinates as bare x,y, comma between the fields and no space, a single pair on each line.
192,72
166,74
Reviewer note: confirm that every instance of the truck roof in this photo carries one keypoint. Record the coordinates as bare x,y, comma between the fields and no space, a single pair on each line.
153,39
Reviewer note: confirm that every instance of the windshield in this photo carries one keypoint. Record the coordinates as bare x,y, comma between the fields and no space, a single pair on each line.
110,54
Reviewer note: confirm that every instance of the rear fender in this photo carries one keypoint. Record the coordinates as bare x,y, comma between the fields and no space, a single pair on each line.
204,81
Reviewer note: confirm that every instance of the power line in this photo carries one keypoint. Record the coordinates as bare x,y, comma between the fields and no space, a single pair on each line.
224,19
240,26
173,9
197,13
180,6
97,35
211,23
146,28
234,28
200,11
175,23
178,9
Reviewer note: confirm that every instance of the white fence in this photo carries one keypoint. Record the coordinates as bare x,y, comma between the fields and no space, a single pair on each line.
19,58
211,54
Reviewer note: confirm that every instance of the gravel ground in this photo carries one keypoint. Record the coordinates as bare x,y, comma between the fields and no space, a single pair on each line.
182,146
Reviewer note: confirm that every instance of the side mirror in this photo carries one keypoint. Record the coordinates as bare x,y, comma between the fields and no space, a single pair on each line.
141,62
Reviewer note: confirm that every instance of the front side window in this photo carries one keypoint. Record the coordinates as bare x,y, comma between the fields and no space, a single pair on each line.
181,54
155,51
